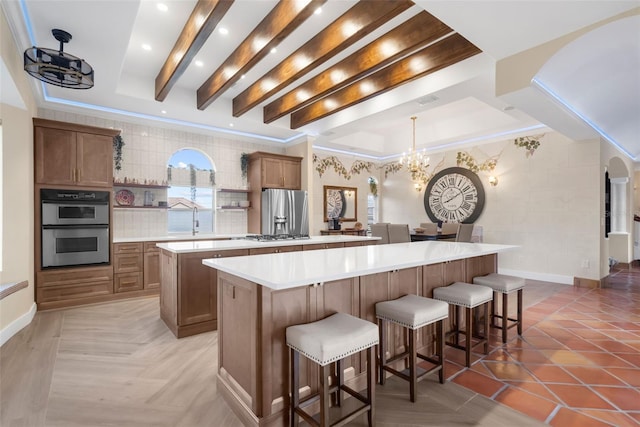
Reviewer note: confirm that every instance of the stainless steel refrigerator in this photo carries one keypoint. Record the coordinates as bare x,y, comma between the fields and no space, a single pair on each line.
285,212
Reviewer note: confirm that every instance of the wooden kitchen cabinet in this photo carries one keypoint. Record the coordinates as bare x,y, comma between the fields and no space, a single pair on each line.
189,291
151,265
270,170
65,287
127,267
70,154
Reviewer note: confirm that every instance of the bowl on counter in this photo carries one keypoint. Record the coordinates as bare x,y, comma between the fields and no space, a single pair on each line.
244,203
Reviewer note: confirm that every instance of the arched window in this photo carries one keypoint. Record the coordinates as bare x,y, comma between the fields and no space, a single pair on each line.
191,195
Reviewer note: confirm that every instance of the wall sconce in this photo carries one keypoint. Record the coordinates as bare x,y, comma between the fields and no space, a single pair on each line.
417,186
493,181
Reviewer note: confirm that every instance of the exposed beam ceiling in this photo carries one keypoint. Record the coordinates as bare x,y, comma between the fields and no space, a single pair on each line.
414,33
442,54
285,17
203,20
352,26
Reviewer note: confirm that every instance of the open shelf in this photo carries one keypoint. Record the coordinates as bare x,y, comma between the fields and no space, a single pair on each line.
234,208
233,190
129,184
140,207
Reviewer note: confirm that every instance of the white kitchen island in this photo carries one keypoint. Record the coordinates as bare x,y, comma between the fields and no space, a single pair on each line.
258,298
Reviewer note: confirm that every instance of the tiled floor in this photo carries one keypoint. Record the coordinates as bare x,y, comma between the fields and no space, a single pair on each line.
577,362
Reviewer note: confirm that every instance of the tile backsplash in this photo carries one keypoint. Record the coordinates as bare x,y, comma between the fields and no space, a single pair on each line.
145,155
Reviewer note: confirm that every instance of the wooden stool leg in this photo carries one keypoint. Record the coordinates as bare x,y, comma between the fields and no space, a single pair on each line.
456,318
381,354
440,348
468,335
494,307
505,316
519,317
295,388
412,365
340,381
371,387
324,395
486,328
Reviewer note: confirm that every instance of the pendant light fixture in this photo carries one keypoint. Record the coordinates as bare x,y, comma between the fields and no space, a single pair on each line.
415,161
57,67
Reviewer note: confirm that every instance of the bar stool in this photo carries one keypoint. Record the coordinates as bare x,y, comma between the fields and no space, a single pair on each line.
501,283
412,312
325,341
468,296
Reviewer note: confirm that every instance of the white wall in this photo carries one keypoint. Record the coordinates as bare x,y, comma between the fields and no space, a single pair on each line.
145,155
548,204
16,310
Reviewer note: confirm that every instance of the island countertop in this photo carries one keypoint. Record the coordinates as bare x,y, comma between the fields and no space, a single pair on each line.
218,245
178,237
294,269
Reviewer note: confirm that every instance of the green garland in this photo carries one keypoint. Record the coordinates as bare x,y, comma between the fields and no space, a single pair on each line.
465,159
244,164
356,168
529,143
118,143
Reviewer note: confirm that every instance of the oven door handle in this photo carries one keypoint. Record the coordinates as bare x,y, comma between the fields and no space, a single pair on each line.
73,226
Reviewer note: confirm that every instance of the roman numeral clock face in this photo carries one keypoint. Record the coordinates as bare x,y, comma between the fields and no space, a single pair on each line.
454,195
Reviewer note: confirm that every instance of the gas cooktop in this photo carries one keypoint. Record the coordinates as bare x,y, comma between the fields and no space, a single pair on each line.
275,237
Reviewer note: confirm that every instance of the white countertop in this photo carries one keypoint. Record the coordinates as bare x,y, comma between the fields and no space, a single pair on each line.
293,269
216,245
176,237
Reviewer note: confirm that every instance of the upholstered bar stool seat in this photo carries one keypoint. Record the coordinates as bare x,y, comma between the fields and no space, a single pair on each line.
324,342
469,297
412,312
503,284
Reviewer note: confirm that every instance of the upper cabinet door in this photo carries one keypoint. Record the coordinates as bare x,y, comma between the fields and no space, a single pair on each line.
272,173
55,156
291,174
94,160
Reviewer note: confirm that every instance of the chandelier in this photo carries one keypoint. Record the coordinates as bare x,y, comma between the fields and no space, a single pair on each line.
57,67
415,160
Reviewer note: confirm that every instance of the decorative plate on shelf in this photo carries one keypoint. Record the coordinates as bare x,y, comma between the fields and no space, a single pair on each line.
124,197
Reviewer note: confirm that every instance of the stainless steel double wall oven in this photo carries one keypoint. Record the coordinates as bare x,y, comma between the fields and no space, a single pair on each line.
75,227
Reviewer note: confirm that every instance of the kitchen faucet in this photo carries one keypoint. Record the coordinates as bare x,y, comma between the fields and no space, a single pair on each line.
194,222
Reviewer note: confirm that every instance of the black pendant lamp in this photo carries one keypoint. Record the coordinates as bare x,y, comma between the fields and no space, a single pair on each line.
57,67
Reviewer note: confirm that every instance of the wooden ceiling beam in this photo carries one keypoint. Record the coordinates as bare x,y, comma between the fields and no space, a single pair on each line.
285,17
203,20
353,25
415,33
442,54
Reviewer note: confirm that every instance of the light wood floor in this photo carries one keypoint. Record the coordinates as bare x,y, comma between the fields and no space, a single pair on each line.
117,364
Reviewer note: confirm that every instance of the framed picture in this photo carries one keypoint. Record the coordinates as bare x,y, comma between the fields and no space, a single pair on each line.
340,202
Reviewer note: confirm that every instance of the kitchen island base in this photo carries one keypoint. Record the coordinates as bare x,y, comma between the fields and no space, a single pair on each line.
252,319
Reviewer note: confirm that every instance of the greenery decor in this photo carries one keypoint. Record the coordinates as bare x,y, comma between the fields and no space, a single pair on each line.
169,170
212,177
356,168
244,164
118,143
373,186
464,159
529,143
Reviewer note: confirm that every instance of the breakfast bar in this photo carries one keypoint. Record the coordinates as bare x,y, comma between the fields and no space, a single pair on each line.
258,298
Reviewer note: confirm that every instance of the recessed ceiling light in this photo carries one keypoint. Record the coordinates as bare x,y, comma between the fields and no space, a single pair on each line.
162,7
164,111
223,31
231,124
274,50
199,63
318,11
146,47
243,76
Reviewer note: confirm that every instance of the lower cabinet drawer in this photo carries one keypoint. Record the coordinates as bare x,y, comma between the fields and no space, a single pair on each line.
71,291
124,282
128,263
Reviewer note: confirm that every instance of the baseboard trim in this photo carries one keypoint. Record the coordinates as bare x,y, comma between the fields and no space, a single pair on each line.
543,277
16,326
581,282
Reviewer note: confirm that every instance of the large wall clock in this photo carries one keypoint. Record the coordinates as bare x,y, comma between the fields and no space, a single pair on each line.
454,195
